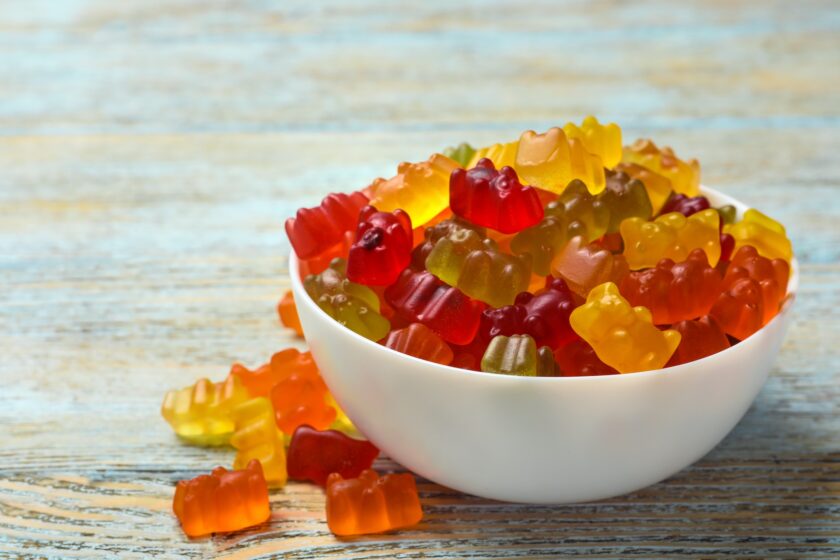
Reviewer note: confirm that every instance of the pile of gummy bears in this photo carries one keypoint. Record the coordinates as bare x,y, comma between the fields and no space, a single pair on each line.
559,254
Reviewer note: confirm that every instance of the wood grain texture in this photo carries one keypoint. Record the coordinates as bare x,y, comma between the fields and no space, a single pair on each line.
148,154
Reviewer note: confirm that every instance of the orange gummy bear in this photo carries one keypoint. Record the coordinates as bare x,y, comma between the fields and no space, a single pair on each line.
287,311
292,381
370,504
222,501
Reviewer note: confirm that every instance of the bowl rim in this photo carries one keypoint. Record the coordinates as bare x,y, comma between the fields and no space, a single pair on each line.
716,197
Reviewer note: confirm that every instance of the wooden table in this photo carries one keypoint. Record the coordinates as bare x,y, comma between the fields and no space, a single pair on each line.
150,154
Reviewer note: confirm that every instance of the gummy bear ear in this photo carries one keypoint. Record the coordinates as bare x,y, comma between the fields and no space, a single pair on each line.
367,212
404,220
486,163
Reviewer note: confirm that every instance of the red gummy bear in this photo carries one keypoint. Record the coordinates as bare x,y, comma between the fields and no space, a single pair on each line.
494,199
685,205
419,341
771,275
740,308
315,230
727,245
382,248
314,455
578,359
420,297
700,338
543,315
674,292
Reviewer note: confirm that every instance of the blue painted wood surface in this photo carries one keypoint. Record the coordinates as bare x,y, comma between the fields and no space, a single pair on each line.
150,151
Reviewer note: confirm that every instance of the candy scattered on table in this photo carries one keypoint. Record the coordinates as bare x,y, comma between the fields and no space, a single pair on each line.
315,454
371,504
222,500
555,254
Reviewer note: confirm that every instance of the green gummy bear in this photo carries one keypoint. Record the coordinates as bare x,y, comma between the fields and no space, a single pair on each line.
353,305
624,197
476,266
463,154
518,355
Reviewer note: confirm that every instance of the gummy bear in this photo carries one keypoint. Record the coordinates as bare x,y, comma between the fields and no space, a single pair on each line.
301,397
624,197
462,155
551,160
370,504
433,234
478,268
542,241
284,363
516,355
686,205
314,454
353,305
740,308
585,266
321,262
700,338
502,155
222,501
622,336
670,236
574,213
684,175
494,199
419,189
315,230
382,248
674,292
543,315
578,359
727,247
201,413
287,311
578,204
771,275
658,187
257,437
762,232
342,422
602,140
728,214
420,341
419,296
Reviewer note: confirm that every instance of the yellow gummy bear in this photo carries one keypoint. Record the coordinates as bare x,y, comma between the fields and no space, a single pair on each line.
670,236
341,423
622,336
201,413
421,189
551,160
603,140
762,232
258,437
684,175
500,154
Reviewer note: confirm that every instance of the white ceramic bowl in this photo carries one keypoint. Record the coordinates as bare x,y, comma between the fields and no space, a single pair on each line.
540,440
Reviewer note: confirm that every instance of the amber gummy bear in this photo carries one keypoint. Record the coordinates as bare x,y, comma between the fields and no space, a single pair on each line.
370,504
287,311
222,501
